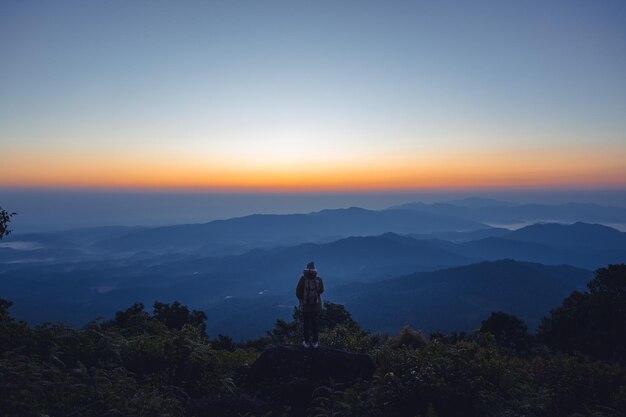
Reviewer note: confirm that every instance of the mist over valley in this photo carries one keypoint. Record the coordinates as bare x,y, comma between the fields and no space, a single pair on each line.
242,270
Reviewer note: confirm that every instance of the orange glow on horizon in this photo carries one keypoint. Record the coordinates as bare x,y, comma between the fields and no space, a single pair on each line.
399,171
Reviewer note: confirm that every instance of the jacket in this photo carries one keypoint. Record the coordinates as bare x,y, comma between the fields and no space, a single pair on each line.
307,308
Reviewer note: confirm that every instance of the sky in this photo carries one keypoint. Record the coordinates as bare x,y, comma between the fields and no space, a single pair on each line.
317,96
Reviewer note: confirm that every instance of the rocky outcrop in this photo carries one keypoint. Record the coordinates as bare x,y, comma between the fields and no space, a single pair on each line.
286,363
288,375
282,380
229,406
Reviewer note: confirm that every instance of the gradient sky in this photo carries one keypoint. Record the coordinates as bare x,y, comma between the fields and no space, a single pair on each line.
319,95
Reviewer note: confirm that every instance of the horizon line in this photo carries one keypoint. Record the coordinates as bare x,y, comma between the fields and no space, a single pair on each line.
315,190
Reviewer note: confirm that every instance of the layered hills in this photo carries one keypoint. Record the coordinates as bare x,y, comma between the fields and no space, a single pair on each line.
241,271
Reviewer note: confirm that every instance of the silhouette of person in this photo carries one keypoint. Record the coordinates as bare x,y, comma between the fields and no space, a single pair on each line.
308,291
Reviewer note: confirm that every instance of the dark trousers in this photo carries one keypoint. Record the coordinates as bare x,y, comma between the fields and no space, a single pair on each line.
310,326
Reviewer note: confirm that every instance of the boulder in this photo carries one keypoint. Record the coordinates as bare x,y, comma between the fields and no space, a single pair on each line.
287,375
288,363
229,406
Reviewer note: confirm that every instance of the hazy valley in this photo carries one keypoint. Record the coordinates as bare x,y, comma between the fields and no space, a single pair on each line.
435,267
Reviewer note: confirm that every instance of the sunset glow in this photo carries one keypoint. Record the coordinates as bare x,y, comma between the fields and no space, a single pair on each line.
298,97
403,171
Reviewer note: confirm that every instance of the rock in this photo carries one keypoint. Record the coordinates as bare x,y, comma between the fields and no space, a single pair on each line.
288,363
229,406
287,375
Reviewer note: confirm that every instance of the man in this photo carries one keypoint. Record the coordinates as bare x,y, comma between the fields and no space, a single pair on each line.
308,291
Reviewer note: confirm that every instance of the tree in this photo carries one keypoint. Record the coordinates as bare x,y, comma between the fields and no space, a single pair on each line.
13,333
176,315
333,315
4,310
133,317
591,322
509,331
609,282
135,320
5,219
224,342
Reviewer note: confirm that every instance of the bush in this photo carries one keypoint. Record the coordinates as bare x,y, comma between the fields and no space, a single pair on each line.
152,365
509,331
408,338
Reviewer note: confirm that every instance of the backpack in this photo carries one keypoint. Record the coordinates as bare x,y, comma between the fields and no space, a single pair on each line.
311,295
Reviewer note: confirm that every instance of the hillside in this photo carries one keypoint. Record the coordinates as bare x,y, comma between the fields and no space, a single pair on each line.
459,298
256,286
582,245
75,291
449,299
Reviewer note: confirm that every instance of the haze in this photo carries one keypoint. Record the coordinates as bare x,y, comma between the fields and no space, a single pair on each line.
48,210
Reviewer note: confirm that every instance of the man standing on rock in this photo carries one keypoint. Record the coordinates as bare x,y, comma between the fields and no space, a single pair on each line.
308,291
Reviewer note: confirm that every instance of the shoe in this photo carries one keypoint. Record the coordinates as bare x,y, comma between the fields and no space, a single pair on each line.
305,344
316,345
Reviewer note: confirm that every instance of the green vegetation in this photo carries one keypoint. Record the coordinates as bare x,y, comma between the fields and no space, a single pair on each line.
5,219
136,364
509,331
592,322
157,364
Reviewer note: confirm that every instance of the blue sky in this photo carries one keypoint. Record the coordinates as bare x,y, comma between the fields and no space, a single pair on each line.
236,89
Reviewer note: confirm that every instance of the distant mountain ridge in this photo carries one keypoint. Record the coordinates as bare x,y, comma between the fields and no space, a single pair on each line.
478,202
459,298
289,228
248,288
500,212
579,234
580,244
242,270
101,285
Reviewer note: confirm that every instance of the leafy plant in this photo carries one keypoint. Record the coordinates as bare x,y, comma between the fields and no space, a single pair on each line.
5,219
328,402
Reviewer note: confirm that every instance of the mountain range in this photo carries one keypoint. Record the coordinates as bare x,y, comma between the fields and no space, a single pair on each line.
241,271
274,229
506,213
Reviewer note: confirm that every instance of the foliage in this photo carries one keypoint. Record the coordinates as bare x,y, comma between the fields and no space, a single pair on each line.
157,364
408,338
328,401
175,316
337,329
592,322
224,342
5,219
466,379
132,365
509,331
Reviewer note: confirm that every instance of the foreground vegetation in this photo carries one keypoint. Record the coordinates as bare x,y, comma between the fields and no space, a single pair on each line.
157,364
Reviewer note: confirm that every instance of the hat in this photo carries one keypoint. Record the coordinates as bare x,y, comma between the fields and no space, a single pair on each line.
311,266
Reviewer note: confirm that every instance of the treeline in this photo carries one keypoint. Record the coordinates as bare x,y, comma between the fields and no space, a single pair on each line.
162,363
